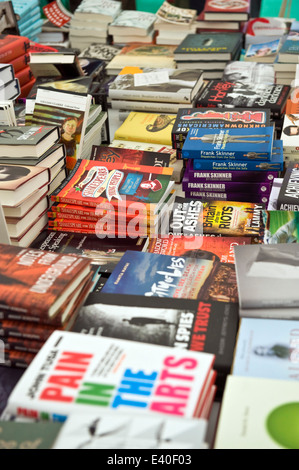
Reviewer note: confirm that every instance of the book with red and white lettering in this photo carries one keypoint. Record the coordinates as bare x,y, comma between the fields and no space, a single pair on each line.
75,372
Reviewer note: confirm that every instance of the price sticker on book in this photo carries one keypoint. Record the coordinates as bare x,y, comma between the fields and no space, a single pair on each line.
151,78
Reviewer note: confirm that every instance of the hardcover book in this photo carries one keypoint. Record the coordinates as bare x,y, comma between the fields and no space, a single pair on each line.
132,22
55,64
229,144
105,10
271,405
137,318
204,46
12,46
265,52
271,272
222,11
173,277
28,141
288,195
120,184
55,401
206,118
232,94
147,127
232,219
290,49
266,348
39,293
280,226
131,156
104,253
165,85
176,15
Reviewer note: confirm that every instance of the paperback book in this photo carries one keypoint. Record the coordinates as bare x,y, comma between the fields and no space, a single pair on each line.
288,196
56,402
290,49
131,156
132,22
222,11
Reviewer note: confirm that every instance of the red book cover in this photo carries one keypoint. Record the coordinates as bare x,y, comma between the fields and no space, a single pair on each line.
229,7
129,156
25,89
35,284
21,344
25,76
12,46
17,359
20,62
26,330
91,184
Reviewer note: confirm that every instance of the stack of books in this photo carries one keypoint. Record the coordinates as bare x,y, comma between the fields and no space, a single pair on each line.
40,292
173,24
109,191
133,26
30,20
9,84
265,52
230,148
90,22
30,161
287,57
208,53
219,16
156,90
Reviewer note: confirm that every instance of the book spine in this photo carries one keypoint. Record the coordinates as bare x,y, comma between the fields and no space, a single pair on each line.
24,76
238,197
20,62
234,165
233,176
73,216
22,330
223,155
72,224
9,52
229,187
23,345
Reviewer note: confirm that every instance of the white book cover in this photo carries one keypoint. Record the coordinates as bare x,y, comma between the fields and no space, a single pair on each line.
108,430
290,132
258,413
134,19
99,7
78,372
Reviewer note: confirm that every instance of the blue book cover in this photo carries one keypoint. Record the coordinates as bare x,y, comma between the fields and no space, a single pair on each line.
267,348
276,162
35,12
34,29
290,47
29,23
23,7
155,275
229,144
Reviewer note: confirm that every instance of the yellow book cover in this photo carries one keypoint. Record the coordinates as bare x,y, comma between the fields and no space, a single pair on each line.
147,127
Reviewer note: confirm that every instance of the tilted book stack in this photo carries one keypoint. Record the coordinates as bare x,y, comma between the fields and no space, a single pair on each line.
173,23
156,90
209,53
39,292
114,192
132,26
90,22
114,387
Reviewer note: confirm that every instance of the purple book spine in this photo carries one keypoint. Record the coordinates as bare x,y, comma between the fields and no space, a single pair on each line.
216,196
227,187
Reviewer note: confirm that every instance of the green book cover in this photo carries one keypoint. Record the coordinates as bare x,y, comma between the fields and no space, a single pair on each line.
28,435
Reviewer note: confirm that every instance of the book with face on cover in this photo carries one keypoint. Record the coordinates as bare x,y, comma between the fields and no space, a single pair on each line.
111,385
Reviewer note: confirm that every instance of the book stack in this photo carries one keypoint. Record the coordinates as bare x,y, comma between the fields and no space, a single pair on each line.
90,21
40,292
95,132
30,21
110,192
222,148
30,160
287,58
9,84
208,53
173,24
155,90
55,65
219,16
140,55
132,26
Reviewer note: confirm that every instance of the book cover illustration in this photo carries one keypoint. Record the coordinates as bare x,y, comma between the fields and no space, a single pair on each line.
229,7
132,18
105,255
288,195
14,176
154,275
140,319
101,7
204,43
248,73
106,430
265,52
176,15
148,147
267,348
268,407
107,364
131,156
290,133
280,226
25,135
271,272
120,184
103,52
229,144
37,294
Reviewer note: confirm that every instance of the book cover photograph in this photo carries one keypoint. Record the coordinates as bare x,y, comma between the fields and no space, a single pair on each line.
271,272
129,155
267,348
91,184
176,15
280,226
104,364
173,277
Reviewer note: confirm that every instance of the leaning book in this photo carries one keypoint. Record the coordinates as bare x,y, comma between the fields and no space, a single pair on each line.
106,373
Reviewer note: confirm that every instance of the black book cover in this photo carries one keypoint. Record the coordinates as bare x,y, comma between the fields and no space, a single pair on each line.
288,196
219,94
206,326
224,118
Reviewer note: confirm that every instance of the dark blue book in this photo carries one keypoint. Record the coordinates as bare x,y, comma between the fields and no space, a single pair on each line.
276,163
229,144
